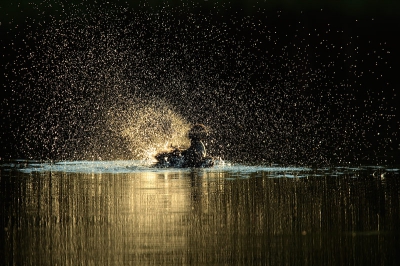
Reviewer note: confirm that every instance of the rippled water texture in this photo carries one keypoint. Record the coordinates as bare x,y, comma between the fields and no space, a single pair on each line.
128,213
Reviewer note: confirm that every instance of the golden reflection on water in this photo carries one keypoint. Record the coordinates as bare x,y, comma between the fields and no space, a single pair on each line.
181,218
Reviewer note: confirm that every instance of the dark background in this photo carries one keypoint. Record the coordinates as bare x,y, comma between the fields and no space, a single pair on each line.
292,82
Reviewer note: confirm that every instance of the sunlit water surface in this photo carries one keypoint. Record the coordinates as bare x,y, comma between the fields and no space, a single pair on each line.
130,213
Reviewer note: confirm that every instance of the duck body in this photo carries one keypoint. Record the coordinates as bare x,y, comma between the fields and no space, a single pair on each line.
194,157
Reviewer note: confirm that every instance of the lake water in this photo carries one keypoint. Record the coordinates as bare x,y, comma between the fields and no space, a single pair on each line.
129,213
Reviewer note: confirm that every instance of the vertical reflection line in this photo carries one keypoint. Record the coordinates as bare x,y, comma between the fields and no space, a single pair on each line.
39,221
50,214
63,217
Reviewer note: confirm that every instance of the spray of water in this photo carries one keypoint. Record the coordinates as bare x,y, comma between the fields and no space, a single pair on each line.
89,91
148,128
105,80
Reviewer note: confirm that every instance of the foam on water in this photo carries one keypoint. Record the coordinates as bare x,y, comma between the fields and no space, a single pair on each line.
234,170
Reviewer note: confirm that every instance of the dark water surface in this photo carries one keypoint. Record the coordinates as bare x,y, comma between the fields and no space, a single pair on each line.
127,213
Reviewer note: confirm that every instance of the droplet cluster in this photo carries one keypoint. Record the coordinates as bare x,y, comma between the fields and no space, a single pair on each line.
113,81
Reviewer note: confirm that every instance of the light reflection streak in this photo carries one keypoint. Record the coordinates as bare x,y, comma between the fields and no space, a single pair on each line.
196,216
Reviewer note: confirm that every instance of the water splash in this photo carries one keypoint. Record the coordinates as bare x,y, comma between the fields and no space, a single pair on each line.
148,128
272,86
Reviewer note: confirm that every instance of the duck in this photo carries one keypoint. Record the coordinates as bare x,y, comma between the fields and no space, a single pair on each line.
193,157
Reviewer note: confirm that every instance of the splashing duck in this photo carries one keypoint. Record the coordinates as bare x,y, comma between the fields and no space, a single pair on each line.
194,156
